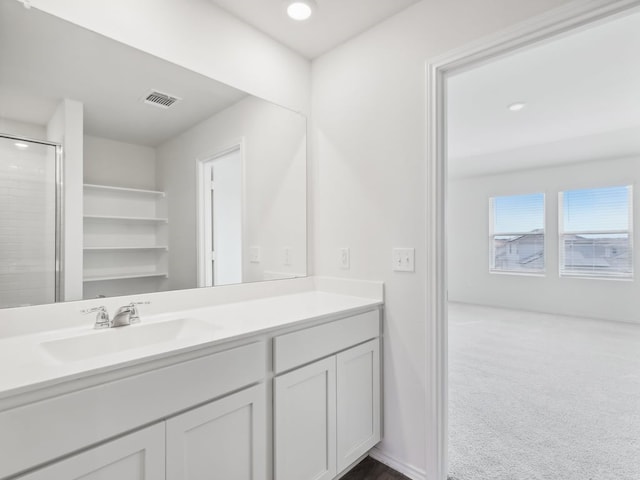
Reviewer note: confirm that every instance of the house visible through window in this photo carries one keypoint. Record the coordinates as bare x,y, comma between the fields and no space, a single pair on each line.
595,232
517,233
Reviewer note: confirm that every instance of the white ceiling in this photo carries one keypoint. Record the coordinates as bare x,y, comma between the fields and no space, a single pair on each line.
44,59
334,22
583,103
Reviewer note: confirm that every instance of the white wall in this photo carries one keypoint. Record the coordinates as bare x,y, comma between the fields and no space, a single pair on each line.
23,129
66,127
119,164
469,277
275,199
198,35
368,151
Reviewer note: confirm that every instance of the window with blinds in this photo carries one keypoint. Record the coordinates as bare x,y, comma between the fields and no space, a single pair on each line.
517,233
595,232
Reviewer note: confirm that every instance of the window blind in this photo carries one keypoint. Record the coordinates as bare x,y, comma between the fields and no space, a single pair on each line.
595,232
517,233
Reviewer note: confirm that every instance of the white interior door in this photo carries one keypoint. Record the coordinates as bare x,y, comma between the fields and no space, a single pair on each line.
221,219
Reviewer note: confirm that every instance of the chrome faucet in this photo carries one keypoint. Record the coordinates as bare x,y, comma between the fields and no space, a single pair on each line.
125,315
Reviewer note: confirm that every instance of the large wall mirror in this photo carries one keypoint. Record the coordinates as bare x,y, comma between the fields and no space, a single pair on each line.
121,173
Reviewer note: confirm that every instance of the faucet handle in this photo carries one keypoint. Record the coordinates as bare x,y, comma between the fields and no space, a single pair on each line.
134,316
102,316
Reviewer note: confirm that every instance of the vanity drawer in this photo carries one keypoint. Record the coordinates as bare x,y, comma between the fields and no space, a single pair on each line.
42,431
304,346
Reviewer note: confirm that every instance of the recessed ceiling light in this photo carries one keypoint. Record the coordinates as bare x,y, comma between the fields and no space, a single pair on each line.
515,107
21,145
300,9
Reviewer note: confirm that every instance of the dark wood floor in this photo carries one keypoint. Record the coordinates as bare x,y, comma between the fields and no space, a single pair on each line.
370,469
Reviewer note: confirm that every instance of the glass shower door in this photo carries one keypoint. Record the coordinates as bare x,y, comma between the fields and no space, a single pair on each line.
28,219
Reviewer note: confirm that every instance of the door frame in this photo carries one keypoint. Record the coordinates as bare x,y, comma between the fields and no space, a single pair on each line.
574,15
201,160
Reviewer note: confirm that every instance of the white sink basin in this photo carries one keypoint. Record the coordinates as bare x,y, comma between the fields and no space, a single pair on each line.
120,339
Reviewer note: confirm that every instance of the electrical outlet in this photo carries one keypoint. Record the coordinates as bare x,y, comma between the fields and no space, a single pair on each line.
345,258
254,254
403,259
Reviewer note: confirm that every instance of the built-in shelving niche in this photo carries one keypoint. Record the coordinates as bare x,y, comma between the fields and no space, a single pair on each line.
125,241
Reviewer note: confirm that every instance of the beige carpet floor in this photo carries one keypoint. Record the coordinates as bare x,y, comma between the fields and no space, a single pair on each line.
542,397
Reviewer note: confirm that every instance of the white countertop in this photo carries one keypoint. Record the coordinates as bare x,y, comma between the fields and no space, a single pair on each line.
26,366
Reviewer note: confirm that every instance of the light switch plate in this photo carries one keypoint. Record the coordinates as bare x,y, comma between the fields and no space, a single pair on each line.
403,259
345,258
254,254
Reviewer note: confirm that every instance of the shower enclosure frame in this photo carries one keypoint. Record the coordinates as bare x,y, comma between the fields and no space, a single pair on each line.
59,207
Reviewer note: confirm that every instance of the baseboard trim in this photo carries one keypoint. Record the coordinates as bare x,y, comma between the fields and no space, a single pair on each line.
409,470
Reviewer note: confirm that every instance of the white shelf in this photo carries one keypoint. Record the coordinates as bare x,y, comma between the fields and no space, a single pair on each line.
132,221
111,249
123,189
126,219
101,278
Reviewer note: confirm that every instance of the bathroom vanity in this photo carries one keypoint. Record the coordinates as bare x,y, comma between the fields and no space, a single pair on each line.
258,381
284,387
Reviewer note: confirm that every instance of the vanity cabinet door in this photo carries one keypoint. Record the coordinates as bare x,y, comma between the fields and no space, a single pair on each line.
327,414
305,422
358,401
137,456
224,439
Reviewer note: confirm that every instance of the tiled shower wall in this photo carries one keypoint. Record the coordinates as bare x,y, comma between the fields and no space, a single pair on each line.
27,224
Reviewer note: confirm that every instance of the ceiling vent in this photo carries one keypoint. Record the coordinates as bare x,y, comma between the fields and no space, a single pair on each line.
159,99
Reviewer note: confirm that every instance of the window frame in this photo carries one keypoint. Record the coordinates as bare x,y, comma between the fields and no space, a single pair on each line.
562,273
492,235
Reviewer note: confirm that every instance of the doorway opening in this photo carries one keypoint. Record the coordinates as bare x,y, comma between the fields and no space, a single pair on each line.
542,149
562,22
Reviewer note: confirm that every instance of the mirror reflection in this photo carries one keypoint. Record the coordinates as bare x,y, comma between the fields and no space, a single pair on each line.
122,173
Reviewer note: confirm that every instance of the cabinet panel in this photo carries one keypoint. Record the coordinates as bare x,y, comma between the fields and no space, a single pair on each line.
99,412
304,346
138,456
224,439
305,422
358,401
